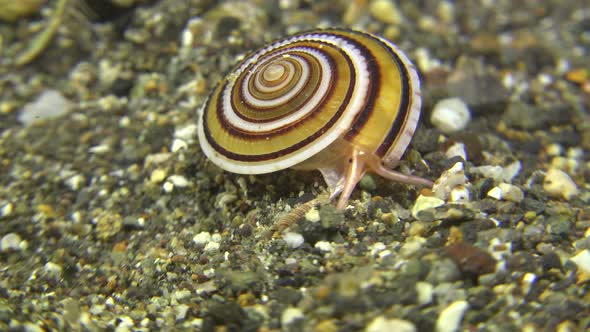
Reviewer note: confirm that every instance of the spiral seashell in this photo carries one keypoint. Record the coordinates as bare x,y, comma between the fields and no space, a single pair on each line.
340,101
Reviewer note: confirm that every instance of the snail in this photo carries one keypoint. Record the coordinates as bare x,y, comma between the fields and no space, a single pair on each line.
343,102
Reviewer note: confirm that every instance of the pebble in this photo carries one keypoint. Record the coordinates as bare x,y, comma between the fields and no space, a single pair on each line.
323,246
10,242
582,260
450,115
211,247
291,315
558,184
424,203
53,270
6,210
449,179
456,150
49,104
425,291
383,324
385,11
158,175
499,173
450,318
460,194
181,311
293,240
313,215
507,192
202,238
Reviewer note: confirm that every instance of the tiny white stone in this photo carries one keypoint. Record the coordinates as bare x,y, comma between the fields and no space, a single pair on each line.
291,315
377,247
450,115
293,240
49,104
75,182
456,150
527,281
495,193
182,294
558,184
186,133
313,215
99,149
6,210
411,247
168,186
450,318
425,292
178,180
178,144
511,192
202,238
449,179
460,194
323,246
216,237
10,241
181,311
53,269
382,324
211,246
425,202
582,260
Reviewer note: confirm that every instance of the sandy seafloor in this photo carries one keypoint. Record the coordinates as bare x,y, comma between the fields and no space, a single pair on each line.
111,218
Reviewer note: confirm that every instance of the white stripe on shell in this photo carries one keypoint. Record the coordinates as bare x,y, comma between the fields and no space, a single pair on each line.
305,73
260,86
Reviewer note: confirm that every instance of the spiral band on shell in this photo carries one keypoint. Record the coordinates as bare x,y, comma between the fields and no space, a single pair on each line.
290,100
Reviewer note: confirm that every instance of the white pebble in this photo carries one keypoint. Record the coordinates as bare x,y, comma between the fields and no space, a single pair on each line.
186,133
450,115
450,318
424,203
456,150
460,194
323,246
495,193
202,238
168,186
313,215
211,247
511,192
178,144
558,184
382,324
507,192
49,104
178,180
377,247
10,242
6,210
449,179
53,270
216,237
425,292
582,260
293,240
291,315
181,311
